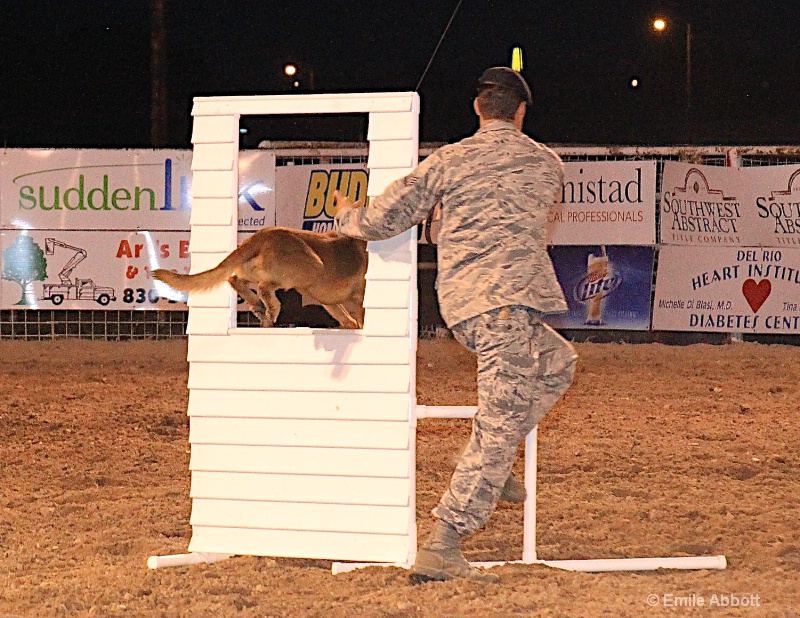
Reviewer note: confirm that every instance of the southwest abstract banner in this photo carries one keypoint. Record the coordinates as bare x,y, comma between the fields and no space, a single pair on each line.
728,290
607,287
703,205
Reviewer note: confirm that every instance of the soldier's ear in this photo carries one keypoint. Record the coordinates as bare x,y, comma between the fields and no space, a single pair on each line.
476,106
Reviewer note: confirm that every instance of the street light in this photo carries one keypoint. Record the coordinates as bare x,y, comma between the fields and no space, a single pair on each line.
295,73
660,24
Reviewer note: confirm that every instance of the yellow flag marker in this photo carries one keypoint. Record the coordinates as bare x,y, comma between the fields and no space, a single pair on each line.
516,59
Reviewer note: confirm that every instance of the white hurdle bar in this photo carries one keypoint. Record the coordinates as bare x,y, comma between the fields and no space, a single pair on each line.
529,523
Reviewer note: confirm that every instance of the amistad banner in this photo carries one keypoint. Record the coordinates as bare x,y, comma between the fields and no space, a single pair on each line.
606,202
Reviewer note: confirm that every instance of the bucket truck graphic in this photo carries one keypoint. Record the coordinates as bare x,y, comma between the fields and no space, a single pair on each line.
80,289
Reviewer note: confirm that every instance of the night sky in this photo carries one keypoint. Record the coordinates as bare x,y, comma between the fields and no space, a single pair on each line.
76,73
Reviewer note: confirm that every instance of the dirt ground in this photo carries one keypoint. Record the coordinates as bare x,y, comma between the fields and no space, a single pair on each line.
655,451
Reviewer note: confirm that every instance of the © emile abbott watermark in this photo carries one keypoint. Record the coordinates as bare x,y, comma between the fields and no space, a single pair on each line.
717,599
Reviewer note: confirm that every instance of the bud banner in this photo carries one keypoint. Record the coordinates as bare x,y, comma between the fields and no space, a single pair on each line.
304,193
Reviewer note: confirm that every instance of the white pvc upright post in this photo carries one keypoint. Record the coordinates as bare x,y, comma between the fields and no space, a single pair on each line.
529,518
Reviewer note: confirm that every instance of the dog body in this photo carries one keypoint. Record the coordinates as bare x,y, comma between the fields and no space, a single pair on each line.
326,269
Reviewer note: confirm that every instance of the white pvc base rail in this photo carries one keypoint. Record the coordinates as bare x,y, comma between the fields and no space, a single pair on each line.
586,566
529,523
529,529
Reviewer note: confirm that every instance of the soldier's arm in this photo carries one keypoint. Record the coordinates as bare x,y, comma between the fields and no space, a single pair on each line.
402,205
552,178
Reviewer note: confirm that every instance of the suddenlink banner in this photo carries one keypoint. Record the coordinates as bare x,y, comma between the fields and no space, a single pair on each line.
120,189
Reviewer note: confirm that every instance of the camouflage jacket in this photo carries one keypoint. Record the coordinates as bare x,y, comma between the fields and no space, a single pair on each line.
496,188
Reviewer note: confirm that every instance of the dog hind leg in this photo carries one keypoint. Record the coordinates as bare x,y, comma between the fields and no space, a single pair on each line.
339,313
266,292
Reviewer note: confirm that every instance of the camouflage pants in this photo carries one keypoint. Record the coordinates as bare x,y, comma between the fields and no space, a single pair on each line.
524,367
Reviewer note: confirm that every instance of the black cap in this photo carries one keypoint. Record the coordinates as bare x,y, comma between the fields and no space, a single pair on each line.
506,77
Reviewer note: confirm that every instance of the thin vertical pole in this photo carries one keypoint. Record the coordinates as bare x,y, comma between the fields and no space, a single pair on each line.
689,128
529,516
158,95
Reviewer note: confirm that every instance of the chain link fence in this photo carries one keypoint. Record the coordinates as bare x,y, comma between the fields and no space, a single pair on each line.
116,325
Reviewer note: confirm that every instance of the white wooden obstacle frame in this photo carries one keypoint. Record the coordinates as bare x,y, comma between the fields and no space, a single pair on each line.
303,440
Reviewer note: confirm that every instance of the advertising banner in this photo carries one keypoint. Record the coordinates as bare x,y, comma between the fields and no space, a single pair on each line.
721,289
704,205
66,189
609,202
89,270
92,270
772,193
304,193
606,287
606,202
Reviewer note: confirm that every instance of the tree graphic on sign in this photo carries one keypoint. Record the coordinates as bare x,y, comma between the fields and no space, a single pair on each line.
24,262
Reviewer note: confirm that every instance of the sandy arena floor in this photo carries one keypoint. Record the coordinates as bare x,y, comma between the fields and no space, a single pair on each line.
655,451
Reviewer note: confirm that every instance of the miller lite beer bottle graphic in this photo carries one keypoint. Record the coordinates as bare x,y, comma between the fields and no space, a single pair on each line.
597,270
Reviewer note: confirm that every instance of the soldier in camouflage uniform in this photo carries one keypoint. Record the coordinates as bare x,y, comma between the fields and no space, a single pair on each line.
495,280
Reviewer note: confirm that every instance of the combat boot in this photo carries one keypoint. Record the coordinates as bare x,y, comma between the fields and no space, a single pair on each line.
440,559
513,490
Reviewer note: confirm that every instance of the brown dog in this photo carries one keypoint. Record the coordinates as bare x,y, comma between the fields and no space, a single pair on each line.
326,269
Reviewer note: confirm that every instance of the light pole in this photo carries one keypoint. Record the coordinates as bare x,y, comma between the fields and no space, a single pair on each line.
660,25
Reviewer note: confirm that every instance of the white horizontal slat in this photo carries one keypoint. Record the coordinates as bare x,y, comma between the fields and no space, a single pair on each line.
207,183
301,544
392,125
387,322
303,404
284,346
387,294
300,377
213,156
392,153
212,211
212,238
205,260
291,432
219,297
300,488
361,462
380,178
215,129
397,247
295,516
208,321
397,268
263,105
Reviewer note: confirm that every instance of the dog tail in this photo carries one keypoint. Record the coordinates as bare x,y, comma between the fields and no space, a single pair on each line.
198,282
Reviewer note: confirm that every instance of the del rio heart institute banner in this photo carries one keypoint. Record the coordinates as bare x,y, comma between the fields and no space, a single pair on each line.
722,289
